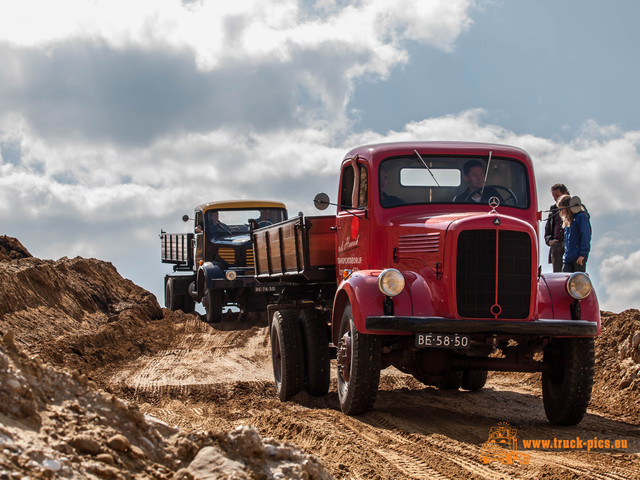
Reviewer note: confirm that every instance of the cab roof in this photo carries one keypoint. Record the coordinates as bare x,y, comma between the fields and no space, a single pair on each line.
378,151
239,205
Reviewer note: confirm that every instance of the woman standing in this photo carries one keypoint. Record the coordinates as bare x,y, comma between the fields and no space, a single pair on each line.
577,234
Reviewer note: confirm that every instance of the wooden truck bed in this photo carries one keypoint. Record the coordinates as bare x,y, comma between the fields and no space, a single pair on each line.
297,250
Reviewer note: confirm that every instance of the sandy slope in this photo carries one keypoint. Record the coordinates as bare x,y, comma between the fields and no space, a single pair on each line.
413,432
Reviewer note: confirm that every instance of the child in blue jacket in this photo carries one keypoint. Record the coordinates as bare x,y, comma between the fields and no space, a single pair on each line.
577,234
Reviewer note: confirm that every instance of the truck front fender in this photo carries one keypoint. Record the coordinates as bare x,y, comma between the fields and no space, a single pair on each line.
554,301
206,274
361,291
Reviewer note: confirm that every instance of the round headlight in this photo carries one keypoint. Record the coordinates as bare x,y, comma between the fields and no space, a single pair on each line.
391,282
230,275
579,285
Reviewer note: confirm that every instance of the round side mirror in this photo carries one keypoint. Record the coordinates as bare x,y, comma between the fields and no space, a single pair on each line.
185,218
321,201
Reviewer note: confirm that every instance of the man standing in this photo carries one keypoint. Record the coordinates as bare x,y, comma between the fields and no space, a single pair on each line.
553,231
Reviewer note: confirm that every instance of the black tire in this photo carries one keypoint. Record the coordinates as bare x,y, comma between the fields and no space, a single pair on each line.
213,303
451,381
287,354
171,300
359,363
474,379
315,339
567,379
189,304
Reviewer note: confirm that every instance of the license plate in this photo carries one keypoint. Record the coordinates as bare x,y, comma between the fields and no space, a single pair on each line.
442,340
266,289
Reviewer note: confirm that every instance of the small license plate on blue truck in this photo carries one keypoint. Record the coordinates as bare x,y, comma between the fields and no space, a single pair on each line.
262,288
442,340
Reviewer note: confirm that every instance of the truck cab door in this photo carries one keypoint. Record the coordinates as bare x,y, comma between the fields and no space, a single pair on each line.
198,239
353,226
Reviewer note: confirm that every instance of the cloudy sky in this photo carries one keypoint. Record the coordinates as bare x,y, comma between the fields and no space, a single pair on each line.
119,116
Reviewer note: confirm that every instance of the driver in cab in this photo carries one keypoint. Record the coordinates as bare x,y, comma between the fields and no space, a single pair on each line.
215,225
474,177
263,221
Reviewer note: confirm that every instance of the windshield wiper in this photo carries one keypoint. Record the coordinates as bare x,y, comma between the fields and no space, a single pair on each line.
486,173
426,166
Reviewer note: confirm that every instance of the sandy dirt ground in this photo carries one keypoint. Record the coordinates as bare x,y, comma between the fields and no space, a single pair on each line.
99,382
220,378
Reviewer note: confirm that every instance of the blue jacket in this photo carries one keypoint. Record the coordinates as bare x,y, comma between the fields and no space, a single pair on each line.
577,238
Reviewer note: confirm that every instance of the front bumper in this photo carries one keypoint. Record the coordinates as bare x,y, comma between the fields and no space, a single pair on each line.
577,328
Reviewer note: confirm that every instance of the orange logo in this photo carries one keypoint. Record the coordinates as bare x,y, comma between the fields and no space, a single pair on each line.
502,446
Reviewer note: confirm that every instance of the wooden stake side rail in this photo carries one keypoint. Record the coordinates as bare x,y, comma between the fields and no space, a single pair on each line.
297,250
176,248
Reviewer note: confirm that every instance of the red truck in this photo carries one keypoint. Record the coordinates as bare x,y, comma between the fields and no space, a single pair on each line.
431,264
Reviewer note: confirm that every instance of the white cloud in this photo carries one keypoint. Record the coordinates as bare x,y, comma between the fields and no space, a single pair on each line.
230,30
115,71
602,165
604,172
621,280
610,242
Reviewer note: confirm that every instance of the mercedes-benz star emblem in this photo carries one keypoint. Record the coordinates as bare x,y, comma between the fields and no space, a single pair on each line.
494,202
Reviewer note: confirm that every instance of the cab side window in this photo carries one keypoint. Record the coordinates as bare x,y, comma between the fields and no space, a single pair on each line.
364,181
354,187
199,224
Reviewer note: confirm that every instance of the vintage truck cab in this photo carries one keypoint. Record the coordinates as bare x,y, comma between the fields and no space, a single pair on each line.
214,264
437,269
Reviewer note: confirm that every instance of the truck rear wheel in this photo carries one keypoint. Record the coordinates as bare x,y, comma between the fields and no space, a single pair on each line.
359,363
213,305
474,379
189,304
315,339
567,379
171,300
287,354
451,381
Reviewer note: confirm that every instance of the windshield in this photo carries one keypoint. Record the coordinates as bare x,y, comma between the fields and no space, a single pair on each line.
406,181
237,221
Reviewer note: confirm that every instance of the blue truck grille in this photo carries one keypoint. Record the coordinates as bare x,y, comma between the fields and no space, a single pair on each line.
493,274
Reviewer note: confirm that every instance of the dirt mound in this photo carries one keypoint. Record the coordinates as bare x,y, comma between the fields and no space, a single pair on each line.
76,312
56,423
11,249
64,322
616,388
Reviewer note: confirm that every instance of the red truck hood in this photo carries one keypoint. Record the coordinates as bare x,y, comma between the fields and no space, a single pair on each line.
475,220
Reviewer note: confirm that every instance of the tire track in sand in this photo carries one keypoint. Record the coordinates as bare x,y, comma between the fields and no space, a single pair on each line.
201,356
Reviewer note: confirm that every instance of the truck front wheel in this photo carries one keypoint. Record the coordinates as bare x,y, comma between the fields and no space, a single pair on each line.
315,338
286,354
213,305
567,379
474,379
359,363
